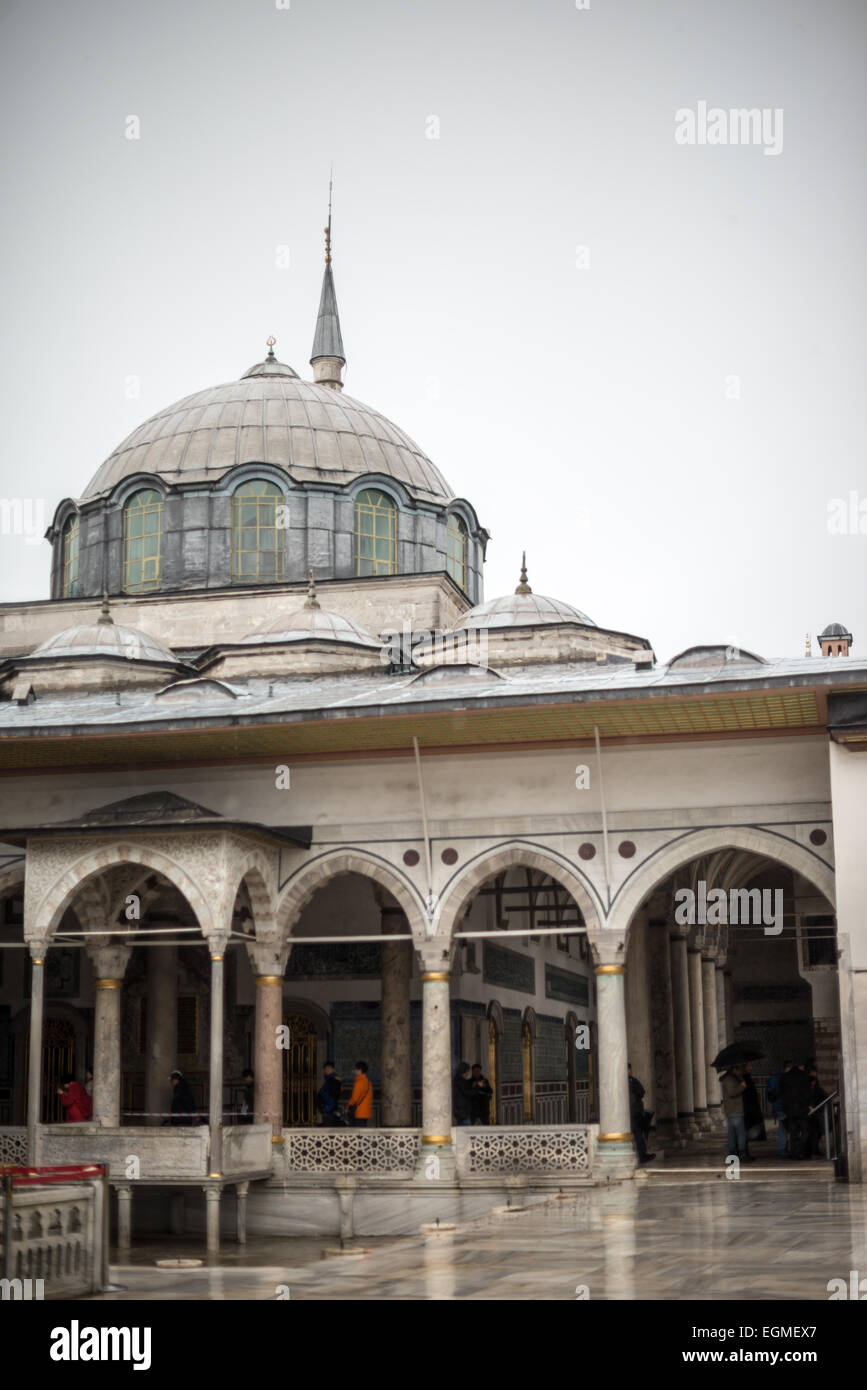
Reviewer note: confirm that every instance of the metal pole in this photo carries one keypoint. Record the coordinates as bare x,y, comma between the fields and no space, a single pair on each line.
427,856
604,818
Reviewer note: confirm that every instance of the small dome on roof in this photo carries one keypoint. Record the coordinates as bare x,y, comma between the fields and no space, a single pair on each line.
523,608
835,630
107,639
712,657
312,623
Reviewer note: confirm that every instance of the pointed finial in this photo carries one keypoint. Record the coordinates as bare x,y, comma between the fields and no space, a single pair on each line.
523,587
312,601
328,228
270,344
808,648
104,615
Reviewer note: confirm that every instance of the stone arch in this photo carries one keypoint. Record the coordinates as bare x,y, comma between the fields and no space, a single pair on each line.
62,893
673,856
528,1020
301,887
255,871
495,1011
524,853
12,877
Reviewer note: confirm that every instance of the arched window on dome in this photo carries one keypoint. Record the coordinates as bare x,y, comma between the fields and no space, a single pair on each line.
142,541
456,550
69,558
375,533
257,532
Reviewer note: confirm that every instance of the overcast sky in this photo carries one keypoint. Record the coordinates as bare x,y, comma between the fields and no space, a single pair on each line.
661,418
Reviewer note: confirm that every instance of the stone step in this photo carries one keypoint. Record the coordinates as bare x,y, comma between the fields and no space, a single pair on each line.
678,1171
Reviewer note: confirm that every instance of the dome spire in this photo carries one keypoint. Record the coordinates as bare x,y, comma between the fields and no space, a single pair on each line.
104,615
523,586
312,600
327,358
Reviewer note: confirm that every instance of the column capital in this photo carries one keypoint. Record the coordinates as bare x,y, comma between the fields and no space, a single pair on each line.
38,948
268,959
434,957
109,962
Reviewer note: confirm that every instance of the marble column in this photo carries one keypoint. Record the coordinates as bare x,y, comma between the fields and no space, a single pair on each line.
682,1034
215,1084
162,1030
124,1216
696,1029
395,1056
436,1081
721,1021
711,1043
616,1153
109,967
268,1057
34,1072
662,1020
638,1022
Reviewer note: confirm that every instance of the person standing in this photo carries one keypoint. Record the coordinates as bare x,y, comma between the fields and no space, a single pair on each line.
77,1105
247,1115
360,1107
636,1115
754,1120
329,1095
733,1086
183,1107
462,1095
481,1096
774,1096
795,1096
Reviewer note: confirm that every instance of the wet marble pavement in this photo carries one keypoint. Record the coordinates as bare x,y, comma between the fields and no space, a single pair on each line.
719,1240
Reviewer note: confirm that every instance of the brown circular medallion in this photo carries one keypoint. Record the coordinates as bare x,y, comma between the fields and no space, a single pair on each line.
626,849
586,851
410,857
449,856
817,837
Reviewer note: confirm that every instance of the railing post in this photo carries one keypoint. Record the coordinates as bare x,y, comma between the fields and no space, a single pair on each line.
8,1227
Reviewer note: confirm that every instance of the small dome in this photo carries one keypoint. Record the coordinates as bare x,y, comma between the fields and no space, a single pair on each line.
310,623
835,630
711,658
107,639
523,610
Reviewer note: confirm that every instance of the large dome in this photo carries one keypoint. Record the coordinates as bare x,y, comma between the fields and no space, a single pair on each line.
271,416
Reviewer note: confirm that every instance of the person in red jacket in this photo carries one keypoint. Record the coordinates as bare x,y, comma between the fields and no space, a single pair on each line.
75,1100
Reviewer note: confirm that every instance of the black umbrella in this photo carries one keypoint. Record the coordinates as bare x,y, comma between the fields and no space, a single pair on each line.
735,1054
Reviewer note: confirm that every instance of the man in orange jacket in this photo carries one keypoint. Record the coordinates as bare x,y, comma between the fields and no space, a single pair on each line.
360,1107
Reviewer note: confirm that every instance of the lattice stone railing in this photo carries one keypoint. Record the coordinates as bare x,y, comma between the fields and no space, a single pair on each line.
562,1150
327,1150
13,1146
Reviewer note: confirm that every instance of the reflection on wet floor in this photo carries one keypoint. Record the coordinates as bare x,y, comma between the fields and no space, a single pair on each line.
720,1240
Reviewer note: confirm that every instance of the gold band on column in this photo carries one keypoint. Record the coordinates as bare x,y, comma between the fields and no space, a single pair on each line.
615,1138
263,980
609,970
277,1139
436,1139
432,976
217,958
109,984
38,962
